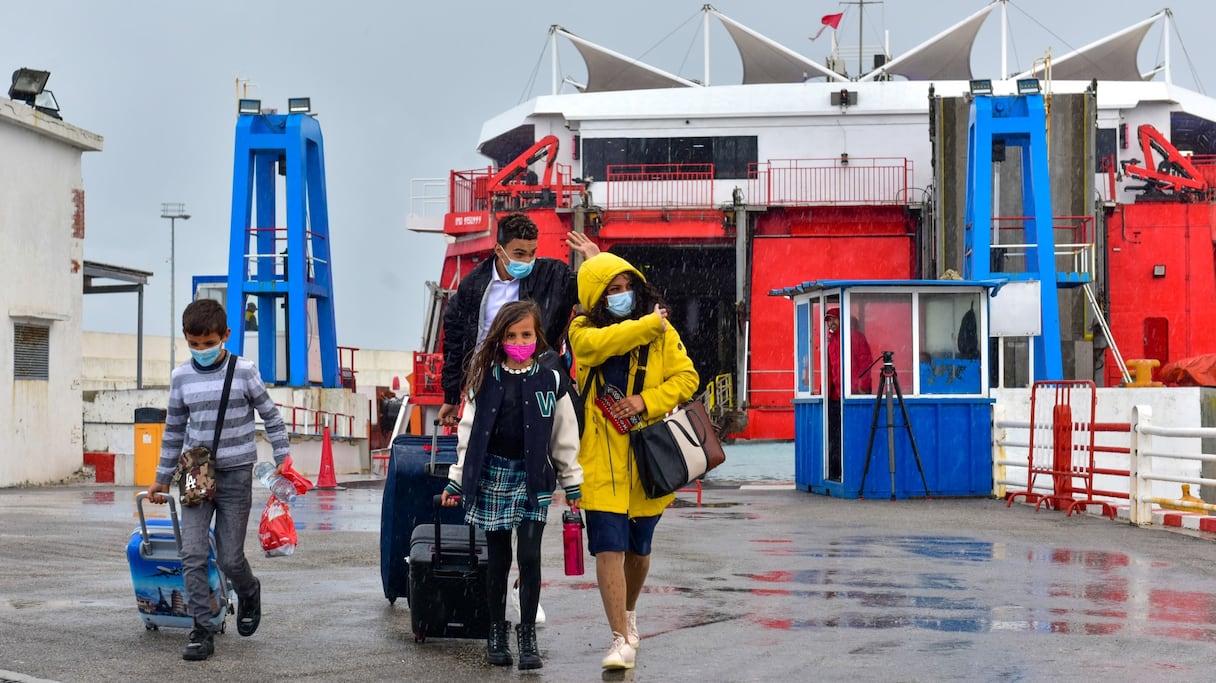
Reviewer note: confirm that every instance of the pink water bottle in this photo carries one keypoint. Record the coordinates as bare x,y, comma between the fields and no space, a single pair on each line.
572,542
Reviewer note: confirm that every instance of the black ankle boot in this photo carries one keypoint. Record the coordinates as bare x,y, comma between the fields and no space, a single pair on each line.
498,652
529,655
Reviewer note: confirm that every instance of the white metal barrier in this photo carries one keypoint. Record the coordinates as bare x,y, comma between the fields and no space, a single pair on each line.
1150,447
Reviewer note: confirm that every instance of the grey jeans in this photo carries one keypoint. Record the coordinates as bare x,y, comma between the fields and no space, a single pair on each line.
233,499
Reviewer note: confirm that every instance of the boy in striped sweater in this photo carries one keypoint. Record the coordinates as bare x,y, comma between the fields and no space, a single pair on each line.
194,399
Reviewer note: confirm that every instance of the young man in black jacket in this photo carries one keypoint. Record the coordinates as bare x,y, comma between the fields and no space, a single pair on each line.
514,274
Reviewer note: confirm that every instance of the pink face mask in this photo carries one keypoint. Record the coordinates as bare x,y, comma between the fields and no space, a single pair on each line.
519,353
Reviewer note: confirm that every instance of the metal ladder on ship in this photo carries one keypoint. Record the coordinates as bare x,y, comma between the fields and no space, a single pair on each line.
1110,338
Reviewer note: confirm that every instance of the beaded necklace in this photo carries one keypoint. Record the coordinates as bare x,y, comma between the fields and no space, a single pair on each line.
520,371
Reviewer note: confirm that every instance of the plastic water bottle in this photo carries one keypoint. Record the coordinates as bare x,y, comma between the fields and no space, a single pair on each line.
572,542
282,489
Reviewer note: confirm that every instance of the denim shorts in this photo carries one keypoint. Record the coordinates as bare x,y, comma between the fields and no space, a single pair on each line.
615,532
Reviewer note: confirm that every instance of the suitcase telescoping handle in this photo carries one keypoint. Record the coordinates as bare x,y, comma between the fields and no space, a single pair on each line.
431,467
439,543
143,522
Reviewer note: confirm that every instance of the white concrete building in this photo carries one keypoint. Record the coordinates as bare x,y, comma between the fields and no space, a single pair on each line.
42,221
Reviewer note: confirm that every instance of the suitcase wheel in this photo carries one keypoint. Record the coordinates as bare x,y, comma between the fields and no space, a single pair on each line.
392,601
151,627
419,637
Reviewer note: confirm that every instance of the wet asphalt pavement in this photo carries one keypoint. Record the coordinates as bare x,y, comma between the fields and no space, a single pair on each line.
772,584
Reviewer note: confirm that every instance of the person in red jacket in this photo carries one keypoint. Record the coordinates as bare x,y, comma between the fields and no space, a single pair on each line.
860,359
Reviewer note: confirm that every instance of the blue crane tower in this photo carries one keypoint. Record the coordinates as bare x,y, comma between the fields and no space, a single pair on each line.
1000,122
274,265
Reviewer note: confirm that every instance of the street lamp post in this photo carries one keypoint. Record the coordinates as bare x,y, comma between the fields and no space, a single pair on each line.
173,211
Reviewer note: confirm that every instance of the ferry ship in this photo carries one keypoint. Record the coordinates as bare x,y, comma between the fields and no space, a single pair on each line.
853,168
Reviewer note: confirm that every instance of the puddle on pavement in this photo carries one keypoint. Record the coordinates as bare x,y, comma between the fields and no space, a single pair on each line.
1066,591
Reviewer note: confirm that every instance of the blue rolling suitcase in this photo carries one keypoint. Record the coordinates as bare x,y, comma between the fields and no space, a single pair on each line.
417,472
154,553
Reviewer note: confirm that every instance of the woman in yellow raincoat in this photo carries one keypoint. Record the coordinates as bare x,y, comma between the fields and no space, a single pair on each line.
623,314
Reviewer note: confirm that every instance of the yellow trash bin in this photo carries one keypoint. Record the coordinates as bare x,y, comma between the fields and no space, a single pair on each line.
149,430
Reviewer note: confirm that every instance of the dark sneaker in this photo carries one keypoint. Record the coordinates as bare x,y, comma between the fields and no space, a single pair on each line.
249,611
201,645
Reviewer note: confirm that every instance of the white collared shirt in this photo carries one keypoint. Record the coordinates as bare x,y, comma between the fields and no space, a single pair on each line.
498,293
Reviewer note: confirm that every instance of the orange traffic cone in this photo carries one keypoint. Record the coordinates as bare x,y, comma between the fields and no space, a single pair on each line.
326,481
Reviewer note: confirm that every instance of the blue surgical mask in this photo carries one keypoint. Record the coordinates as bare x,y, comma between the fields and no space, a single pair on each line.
207,357
620,304
518,269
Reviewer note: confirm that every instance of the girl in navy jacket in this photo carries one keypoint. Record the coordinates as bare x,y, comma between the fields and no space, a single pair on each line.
517,440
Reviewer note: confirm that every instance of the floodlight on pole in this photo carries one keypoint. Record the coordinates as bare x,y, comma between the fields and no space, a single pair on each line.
299,105
1028,86
173,211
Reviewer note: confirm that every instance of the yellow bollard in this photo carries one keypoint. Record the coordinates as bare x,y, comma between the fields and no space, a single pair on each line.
1186,497
1142,372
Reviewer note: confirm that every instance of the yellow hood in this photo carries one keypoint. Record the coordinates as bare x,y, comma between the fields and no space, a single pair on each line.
595,274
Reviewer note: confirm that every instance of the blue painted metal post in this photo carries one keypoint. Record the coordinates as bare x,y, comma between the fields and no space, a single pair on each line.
1017,121
292,268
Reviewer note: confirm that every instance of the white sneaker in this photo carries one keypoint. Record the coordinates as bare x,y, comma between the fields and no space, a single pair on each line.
631,629
621,655
540,611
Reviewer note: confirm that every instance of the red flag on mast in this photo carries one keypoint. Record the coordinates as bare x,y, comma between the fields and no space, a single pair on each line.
832,20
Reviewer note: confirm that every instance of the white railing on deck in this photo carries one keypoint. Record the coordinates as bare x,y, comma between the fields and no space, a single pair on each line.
1147,444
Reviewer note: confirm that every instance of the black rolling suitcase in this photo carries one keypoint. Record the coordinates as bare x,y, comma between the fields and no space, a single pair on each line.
448,580
417,472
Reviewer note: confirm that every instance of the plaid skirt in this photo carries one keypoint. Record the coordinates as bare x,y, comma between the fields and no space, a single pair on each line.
502,497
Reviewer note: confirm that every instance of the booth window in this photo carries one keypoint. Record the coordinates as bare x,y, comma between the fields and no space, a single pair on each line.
802,342
31,352
884,319
950,350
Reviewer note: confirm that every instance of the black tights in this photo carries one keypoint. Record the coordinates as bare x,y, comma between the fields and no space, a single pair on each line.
528,536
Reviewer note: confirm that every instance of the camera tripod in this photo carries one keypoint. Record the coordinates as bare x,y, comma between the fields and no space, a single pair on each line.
888,390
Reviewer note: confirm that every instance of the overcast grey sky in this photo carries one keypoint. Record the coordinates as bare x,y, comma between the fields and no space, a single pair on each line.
401,90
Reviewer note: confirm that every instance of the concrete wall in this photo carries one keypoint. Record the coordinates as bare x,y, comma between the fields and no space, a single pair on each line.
109,427
42,222
108,382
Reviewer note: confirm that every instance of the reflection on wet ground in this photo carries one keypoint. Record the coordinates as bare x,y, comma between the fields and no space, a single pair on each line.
1086,592
804,585
921,581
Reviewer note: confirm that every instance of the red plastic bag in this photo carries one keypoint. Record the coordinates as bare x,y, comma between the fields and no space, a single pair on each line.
302,484
277,530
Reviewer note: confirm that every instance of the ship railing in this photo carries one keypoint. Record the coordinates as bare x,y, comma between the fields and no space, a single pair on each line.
1206,165
302,421
1074,247
837,181
778,383
659,186
427,380
469,191
1138,463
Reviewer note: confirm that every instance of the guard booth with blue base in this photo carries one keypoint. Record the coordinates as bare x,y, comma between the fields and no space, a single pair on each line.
923,339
